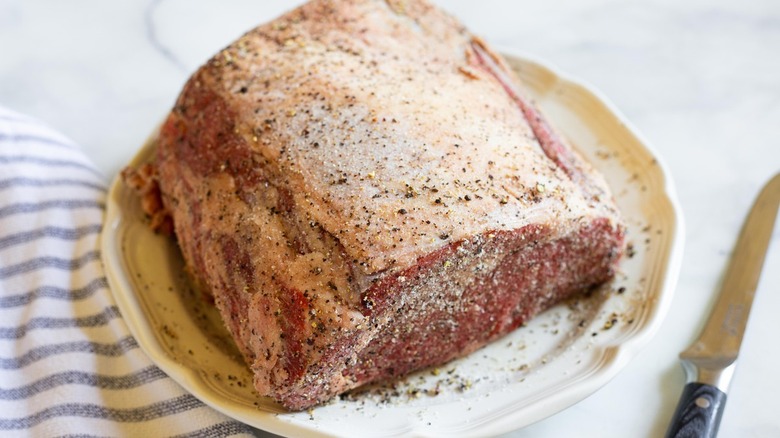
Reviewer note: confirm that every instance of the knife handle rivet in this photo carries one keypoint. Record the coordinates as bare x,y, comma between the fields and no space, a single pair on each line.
702,402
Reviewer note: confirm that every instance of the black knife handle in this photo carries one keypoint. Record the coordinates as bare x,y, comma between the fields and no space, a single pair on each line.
699,412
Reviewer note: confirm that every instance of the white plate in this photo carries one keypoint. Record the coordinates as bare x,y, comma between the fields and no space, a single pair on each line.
561,357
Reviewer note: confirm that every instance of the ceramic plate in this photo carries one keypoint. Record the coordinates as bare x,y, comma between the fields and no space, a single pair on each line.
561,357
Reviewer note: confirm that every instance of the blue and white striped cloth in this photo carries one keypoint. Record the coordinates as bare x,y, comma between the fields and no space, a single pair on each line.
68,365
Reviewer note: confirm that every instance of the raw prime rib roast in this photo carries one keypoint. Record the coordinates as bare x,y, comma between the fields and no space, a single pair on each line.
365,192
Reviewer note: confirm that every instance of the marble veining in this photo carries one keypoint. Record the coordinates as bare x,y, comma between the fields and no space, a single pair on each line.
151,34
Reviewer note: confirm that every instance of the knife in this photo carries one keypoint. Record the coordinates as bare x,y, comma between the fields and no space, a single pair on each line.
709,362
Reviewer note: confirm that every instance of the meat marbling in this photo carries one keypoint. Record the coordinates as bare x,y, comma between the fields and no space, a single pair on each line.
365,192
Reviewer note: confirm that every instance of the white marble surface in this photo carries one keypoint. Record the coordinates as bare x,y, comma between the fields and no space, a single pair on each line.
699,78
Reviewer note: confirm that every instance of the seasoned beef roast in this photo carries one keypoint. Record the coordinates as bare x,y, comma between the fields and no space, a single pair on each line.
365,191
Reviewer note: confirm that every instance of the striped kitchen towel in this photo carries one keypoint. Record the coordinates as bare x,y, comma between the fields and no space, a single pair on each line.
68,365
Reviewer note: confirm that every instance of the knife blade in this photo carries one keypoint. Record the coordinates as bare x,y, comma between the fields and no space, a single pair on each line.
710,361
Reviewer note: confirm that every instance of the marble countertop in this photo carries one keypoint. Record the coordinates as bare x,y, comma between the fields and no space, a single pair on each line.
700,79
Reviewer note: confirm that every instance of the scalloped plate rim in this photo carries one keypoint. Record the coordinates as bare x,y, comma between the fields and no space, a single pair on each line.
614,357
